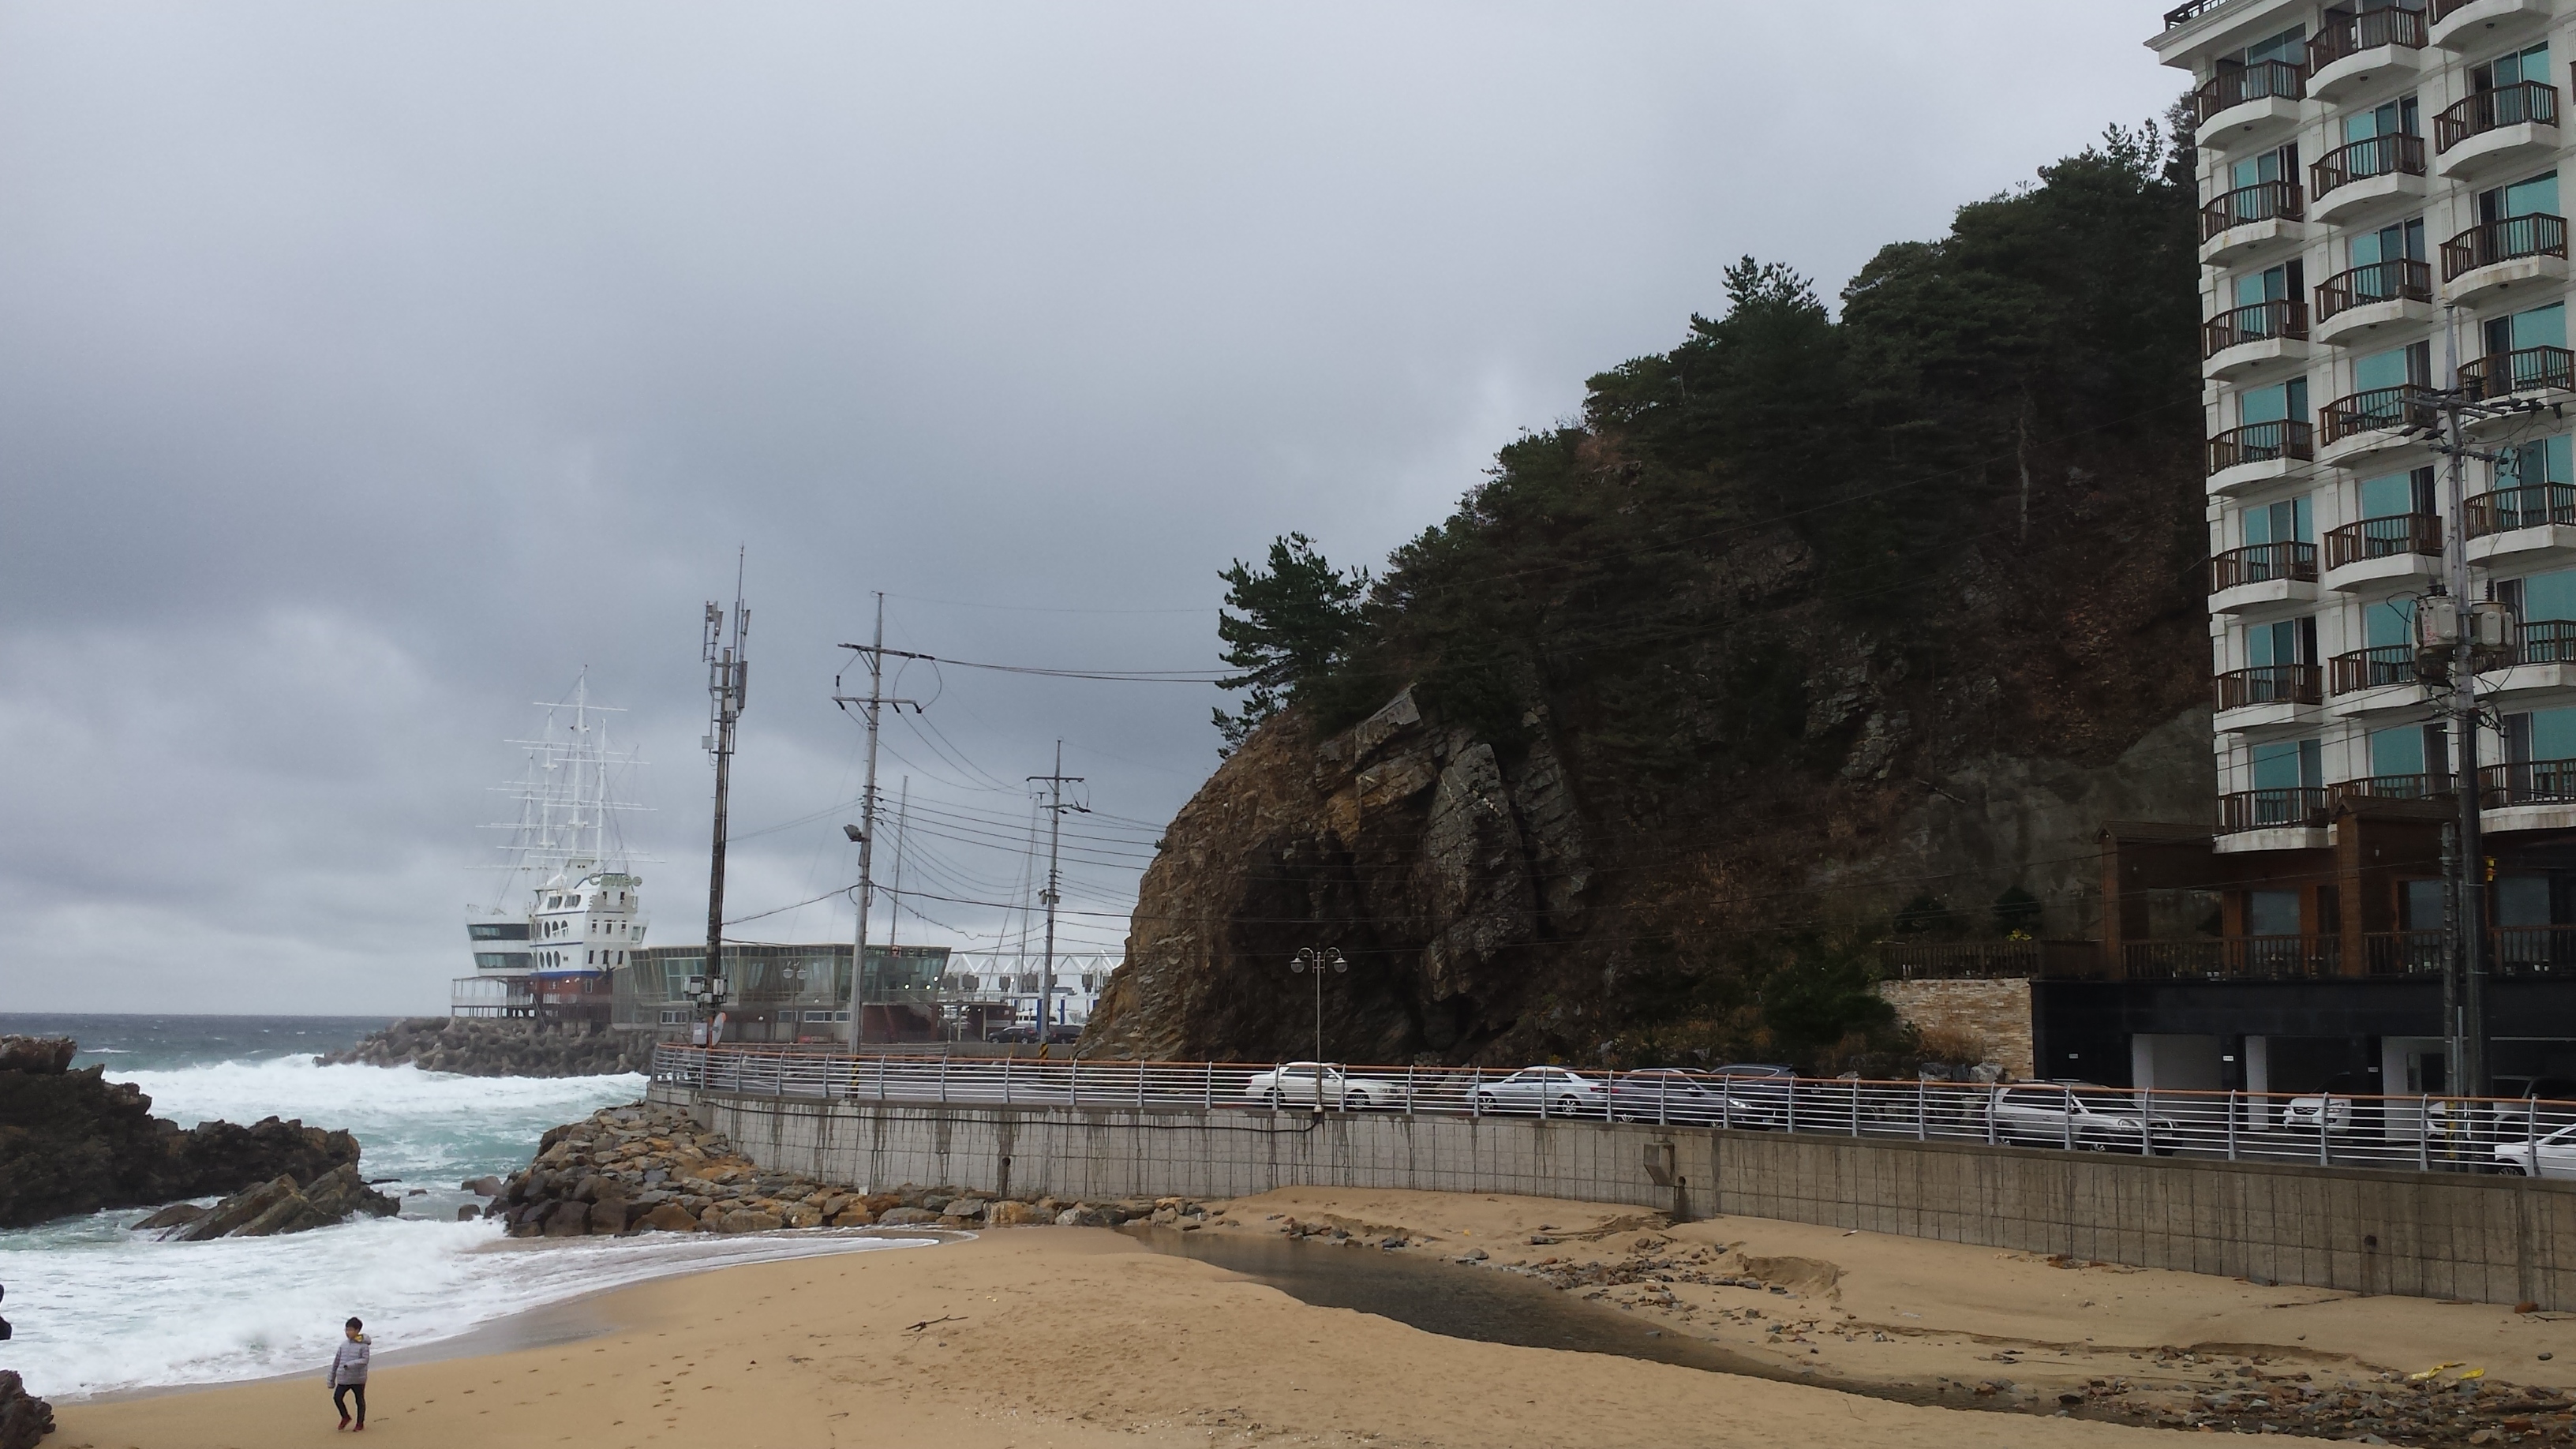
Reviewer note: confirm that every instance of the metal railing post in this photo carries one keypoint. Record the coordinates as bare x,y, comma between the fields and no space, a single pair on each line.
943,1079
1792,1125
1663,1100
1475,1103
1140,1082
881,1081
2147,1126
2424,1133
2231,1124
2531,1132
1855,1115
1207,1091
1006,1081
1073,1080
1408,1091
2325,1128
1922,1110
1992,1096
2066,1110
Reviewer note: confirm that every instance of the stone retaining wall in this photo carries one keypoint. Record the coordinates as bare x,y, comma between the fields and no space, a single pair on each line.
1993,1013
2439,1235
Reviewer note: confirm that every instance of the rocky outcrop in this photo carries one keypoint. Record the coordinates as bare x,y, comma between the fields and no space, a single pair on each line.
276,1207
24,1418
490,1047
74,1142
651,1168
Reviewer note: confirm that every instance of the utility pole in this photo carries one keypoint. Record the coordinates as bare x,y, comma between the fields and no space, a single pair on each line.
1315,963
865,833
728,675
2452,632
1055,807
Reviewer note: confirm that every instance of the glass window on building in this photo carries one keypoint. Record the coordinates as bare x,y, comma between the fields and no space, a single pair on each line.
2398,753
2287,641
2288,521
2527,330
2399,117
2394,368
2534,463
2401,242
2514,69
2393,495
2541,734
2272,284
2271,913
2282,402
2289,765
2388,624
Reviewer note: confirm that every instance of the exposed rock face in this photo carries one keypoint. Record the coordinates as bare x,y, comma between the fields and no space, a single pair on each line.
73,1142
487,1047
283,1205
24,1418
1454,872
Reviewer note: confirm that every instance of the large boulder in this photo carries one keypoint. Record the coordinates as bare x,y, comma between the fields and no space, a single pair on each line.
24,1418
281,1205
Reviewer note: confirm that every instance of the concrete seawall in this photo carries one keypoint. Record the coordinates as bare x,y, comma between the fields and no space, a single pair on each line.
2436,1235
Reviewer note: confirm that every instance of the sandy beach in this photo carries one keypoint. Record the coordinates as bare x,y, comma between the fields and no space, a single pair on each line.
1073,1336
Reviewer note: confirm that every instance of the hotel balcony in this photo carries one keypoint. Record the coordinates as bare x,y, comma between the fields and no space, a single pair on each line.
2377,551
2258,453
2247,108
2268,695
2288,818
2360,300
2494,130
2236,224
2488,259
2532,795
2542,661
2262,573
2542,374
2374,680
2521,524
2370,422
2363,174
2428,786
2350,51
2258,337
2476,24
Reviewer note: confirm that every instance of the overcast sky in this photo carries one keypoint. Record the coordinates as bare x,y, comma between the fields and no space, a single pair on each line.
368,372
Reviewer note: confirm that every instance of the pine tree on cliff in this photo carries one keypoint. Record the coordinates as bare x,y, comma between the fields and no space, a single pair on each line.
1295,618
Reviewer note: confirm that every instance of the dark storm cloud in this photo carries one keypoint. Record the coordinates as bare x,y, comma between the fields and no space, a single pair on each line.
368,372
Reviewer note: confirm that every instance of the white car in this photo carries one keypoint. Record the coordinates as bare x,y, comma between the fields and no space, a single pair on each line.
1548,1091
2551,1156
2098,1119
1323,1084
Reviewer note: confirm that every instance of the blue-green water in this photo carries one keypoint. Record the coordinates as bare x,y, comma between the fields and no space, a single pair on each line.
97,1308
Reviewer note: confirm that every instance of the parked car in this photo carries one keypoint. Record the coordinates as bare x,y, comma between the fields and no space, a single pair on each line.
1305,1084
2553,1155
2331,1107
1686,1098
1058,1035
2526,1106
1764,1085
1550,1090
2096,1118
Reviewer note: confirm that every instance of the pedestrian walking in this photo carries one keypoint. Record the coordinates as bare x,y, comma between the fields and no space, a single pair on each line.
349,1373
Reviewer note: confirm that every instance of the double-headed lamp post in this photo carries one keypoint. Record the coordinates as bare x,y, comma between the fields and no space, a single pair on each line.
1318,962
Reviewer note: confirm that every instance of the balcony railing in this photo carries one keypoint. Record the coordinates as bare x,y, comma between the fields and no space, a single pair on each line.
2236,85
2532,782
2427,786
2507,509
2262,443
2525,369
2262,201
2284,317
2270,684
2233,956
2398,281
2488,110
2353,34
2442,9
2371,538
2405,953
2505,240
2546,641
1938,960
2372,668
2282,806
2263,563
2376,409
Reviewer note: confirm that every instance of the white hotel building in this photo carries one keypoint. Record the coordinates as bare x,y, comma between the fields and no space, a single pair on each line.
2380,195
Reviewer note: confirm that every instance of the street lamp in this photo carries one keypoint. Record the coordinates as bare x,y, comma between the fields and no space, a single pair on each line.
1319,962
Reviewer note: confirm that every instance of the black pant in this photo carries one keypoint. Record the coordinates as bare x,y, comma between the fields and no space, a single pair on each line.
359,1390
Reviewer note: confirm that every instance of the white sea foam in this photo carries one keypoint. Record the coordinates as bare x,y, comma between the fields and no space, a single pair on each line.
99,1309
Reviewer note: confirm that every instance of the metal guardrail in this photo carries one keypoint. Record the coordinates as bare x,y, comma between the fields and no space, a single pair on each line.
2333,1129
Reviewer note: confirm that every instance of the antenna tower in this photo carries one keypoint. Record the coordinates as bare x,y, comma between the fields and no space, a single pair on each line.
728,672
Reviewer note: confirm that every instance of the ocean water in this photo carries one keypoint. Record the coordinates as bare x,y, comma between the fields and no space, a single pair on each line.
97,1308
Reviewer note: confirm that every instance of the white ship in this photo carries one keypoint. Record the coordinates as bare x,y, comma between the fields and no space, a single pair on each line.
570,907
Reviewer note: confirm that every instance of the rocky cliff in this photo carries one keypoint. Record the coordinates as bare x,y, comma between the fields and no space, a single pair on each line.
73,1142
1814,629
